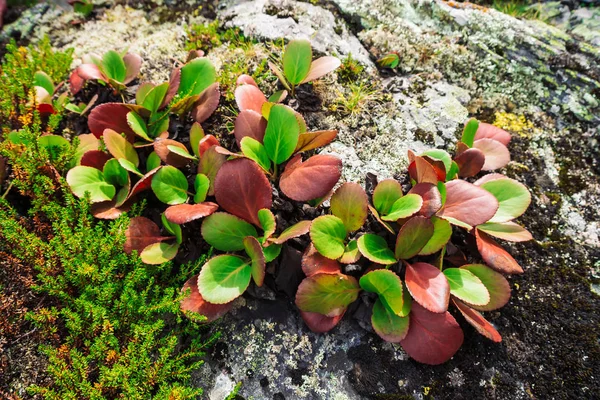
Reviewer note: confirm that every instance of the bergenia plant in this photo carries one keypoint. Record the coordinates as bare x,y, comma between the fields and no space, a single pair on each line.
44,93
390,60
84,7
113,69
299,67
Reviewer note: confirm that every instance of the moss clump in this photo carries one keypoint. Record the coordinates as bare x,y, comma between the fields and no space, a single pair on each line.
350,70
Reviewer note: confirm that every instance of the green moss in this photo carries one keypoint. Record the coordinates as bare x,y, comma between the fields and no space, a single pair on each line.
350,70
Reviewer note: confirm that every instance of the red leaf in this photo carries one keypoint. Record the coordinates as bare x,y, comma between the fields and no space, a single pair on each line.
314,178
312,140
249,97
207,103
438,167
167,156
428,286
496,154
209,165
413,236
314,263
90,72
95,159
140,233
249,123
107,209
207,142
432,338
184,213
245,80
75,82
432,200
242,189
144,183
468,203
133,63
422,171
298,229
320,323
321,66
470,162
495,256
195,302
488,131
476,319
174,81
110,116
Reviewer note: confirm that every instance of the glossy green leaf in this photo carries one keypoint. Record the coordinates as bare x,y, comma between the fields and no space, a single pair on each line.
388,286
87,179
254,250
173,228
114,66
495,283
404,207
443,192
385,195
159,253
390,60
138,125
506,230
223,278
152,161
128,166
296,60
254,150
440,155
351,253
442,231
466,286
413,236
327,294
119,147
389,326
271,252
170,185
350,204
328,234
513,198
267,222
180,151
468,136
453,173
281,136
226,232
114,173
155,97
201,186
196,134
44,81
196,76
375,248
49,141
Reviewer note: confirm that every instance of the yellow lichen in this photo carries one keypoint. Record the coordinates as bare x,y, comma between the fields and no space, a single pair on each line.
513,123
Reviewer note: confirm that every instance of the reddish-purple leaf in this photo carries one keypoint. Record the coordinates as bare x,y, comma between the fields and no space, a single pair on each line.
110,116
109,210
321,67
210,163
174,81
140,233
242,189
320,323
75,82
312,140
428,286
422,171
488,131
206,143
95,159
495,256
314,178
249,97
90,72
144,183
467,204
207,103
314,263
195,303
496,154
413,236
167,156
255,252
133,63
476,319
298,229
432,338
438,166
184,213
245,80
432,200
470,162
249,123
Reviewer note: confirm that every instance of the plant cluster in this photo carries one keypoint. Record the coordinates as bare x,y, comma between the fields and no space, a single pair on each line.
412,285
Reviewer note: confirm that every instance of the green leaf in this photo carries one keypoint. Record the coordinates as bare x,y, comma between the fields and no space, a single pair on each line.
328,234
388,325
272,252
404,207
223,278
180,151
390,60
254,150
159,253
267,222
513,198
196,134
385,195
128,166
506,230
453,173
201,186
442,231
279,75
351,253
49,141
296,60
375,248
254,250
42,80
466,286
114,173
281,136
468,136
138,125
226,232
196,76
119,147
495,283
389,288
173,228
327,294
443,192
153,161
440,155
350,204
114,66
155,97
413,236
87,179
170,185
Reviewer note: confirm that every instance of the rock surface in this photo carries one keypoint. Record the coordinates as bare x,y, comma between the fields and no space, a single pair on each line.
537,81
